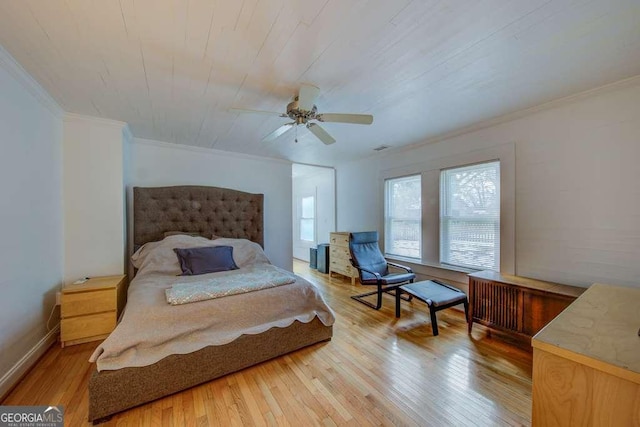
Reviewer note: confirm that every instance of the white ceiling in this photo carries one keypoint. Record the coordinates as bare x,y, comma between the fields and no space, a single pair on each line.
172,69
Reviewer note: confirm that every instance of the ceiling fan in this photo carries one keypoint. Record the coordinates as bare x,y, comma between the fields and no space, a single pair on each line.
303,111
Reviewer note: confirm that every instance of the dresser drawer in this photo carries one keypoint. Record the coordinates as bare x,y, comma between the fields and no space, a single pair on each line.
340,239
340,252
80,303
75,328
342,268
340,263
340,256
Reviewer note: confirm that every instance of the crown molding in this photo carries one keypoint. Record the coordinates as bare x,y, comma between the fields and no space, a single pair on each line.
170,145
71,117
505,118
13,67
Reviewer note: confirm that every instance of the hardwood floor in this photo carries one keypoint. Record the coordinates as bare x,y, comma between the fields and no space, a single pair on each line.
377,370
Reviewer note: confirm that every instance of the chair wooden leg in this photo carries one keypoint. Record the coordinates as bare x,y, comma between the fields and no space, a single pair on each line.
379,302
360,299
392,292
395,291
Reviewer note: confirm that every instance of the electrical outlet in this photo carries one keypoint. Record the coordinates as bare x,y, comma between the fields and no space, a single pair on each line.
58,297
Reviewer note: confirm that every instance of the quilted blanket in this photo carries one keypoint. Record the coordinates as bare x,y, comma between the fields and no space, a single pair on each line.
253,279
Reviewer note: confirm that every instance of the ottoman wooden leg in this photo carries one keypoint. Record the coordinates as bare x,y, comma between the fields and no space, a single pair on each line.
434,321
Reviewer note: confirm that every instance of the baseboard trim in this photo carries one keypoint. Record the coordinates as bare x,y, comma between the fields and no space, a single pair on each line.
17,372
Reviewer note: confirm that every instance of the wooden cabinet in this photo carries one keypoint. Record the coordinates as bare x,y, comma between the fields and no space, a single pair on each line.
89,311
517,305
339,256
586,364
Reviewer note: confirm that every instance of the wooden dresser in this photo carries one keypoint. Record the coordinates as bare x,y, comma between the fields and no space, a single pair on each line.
90,310
339,256
586,362
517,305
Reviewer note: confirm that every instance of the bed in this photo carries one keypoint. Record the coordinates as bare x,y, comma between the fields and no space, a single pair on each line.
158,349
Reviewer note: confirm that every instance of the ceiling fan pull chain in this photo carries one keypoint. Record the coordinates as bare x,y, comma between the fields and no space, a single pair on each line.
296,133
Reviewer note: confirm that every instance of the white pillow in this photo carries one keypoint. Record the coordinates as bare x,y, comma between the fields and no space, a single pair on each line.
245,252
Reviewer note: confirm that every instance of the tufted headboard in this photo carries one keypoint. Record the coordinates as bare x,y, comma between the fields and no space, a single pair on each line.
204,210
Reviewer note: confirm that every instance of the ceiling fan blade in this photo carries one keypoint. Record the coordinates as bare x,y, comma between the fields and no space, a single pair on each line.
359,119
320,133
276,133
307,96
245,110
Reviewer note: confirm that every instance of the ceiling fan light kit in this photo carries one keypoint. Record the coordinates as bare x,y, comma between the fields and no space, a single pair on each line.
302,111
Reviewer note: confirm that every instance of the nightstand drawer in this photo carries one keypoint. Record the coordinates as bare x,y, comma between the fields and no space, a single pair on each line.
90,309
80,303
87,326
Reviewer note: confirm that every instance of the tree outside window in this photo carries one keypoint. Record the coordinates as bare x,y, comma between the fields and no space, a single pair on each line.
470,216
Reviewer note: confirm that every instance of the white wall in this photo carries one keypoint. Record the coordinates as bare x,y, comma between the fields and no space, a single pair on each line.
94,212
577,198
319,182
31,247
157,163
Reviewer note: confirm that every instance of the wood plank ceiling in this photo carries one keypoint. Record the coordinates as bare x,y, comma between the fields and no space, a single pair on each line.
172,69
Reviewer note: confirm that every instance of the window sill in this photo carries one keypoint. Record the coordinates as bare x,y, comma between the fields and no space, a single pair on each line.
433,265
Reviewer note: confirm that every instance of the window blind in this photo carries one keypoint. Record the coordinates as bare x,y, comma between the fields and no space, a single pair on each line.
470,216
403,213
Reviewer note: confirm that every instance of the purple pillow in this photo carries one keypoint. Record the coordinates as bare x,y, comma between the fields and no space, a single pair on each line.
210,259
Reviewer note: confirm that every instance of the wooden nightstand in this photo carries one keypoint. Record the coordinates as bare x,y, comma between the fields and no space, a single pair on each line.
89,311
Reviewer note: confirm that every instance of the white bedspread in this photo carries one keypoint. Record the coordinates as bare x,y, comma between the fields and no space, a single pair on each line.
151,329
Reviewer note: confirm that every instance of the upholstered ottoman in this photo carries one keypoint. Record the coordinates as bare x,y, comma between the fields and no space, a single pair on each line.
437,296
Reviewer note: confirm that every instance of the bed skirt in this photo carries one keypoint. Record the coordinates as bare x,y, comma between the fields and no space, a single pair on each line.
111,392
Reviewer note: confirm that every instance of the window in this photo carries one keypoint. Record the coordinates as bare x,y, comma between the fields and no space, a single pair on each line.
470,216
403,212
307,219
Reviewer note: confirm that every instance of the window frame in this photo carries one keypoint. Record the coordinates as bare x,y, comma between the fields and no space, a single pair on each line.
430,168
444,208
388,218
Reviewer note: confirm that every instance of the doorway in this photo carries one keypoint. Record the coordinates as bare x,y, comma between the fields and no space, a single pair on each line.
314,207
